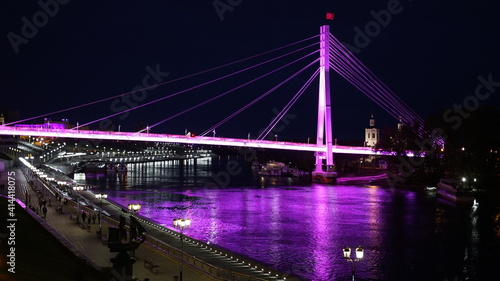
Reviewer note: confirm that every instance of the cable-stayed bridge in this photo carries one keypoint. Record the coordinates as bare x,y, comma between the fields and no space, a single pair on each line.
181,139
332,55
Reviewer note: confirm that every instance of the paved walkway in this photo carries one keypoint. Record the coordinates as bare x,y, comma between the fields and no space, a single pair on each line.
84,242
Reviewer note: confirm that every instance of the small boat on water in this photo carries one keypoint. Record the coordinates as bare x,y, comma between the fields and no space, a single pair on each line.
454,191
274,168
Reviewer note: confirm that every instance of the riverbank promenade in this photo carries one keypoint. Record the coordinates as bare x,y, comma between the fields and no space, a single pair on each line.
159,258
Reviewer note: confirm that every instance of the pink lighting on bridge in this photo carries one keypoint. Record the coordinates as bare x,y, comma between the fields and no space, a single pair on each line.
181,139
47,124
332,55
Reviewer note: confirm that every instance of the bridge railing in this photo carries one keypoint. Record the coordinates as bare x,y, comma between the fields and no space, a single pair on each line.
198,264
134,136
211,271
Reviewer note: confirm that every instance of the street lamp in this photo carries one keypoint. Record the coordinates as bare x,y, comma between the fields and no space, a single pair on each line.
134,207
76,189
347,256
181,224
100,196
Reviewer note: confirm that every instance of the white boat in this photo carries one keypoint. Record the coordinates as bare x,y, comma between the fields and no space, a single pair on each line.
273,168
454,191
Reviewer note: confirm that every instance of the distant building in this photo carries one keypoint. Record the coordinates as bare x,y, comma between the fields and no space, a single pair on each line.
372,133
400,124
7,116
47,124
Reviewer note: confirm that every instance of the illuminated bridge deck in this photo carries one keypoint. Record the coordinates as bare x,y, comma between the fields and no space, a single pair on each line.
181,139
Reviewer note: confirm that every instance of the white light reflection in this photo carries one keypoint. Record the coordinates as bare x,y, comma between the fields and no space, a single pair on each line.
213,227
275,226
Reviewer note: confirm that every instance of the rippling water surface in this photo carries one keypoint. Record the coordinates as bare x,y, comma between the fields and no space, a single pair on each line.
301,228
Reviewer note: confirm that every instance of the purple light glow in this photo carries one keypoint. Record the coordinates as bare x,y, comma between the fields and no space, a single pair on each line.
282,227
21,203
47,125
132,136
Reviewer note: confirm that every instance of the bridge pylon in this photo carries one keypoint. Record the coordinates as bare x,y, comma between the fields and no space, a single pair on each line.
327,173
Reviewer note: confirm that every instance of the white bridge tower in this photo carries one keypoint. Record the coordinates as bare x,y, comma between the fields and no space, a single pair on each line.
321,173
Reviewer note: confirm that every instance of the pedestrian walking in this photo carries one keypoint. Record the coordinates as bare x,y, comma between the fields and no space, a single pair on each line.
83,217
44,211
94,216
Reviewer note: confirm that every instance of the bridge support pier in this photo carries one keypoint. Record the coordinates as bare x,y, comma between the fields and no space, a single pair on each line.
324,132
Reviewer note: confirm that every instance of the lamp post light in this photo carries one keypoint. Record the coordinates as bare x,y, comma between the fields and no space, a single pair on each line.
347,256
181,224
76,189
134,207
100,196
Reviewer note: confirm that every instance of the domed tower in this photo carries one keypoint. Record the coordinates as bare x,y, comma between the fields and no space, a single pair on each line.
372,133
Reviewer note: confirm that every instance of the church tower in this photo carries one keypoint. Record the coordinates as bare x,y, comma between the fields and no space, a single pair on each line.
372,133
400,124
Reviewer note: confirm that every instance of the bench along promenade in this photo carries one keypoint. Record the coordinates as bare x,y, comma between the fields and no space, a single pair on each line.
158,258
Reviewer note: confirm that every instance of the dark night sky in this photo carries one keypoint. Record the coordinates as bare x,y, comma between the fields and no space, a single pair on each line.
430,54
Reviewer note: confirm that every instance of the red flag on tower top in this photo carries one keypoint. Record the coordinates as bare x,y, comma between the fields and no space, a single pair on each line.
329,16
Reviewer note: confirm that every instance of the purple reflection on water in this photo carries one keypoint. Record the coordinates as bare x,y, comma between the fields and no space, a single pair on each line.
299,229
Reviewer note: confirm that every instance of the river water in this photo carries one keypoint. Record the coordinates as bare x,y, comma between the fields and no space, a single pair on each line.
301,228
